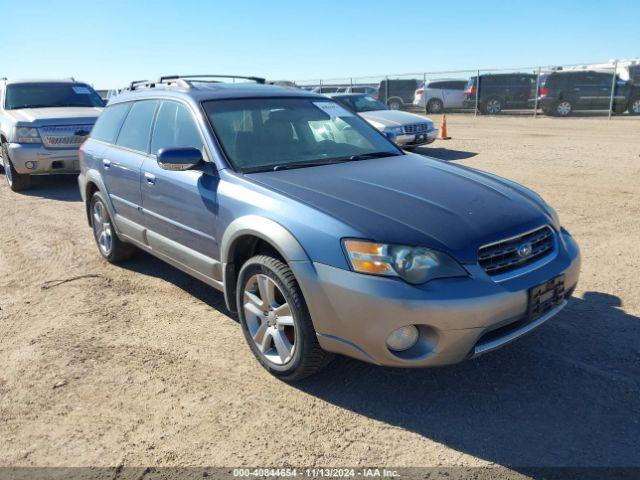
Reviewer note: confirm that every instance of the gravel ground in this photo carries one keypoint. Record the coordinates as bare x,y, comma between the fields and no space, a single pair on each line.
139,364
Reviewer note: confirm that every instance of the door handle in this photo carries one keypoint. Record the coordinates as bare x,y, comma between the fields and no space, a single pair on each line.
150,178
106,162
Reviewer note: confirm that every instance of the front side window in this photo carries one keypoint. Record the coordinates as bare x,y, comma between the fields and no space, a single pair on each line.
175,127
108,124
136,129
268,133
46,95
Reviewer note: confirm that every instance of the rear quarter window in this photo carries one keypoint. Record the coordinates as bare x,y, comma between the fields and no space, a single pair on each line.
109,122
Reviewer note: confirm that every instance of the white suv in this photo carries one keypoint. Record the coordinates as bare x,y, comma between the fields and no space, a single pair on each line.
438,95
42,124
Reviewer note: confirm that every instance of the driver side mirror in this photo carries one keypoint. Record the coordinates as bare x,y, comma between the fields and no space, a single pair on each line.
179,159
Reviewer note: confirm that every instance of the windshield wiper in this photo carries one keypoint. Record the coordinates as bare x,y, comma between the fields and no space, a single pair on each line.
326,161
367,156
28,105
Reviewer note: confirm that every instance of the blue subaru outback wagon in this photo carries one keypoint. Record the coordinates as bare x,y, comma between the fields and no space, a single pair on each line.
322,234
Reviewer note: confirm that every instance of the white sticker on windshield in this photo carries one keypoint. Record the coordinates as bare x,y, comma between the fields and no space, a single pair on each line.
82,90
333,109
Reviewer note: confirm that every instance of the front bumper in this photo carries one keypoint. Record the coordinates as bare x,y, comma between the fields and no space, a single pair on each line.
43,160
417,140
353,314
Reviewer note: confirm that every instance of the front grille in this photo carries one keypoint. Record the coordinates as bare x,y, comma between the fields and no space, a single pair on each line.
416,128
517,252
64,136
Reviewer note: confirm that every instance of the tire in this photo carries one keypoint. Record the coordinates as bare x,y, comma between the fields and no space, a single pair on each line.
16,181
394,104
435,106
563,108
109,244
493,106
634,105
280,323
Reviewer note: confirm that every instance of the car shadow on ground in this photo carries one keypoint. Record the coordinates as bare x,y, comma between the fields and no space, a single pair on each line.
54,187
568,394
444,153
565,395
147,264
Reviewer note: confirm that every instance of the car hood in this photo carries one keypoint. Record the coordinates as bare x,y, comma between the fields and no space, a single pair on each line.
56,116
414,200
393,118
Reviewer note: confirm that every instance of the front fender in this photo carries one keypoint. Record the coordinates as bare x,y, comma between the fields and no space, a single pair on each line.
264,228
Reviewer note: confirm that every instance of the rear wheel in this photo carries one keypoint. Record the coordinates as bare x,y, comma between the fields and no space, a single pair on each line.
563,108
435,106
275,320
634,106
493,106
15,180
394,104
109,245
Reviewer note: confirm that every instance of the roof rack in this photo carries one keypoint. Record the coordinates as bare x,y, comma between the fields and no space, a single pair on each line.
187,79
139,83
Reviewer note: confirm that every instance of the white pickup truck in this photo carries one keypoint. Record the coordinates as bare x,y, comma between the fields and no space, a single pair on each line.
42,124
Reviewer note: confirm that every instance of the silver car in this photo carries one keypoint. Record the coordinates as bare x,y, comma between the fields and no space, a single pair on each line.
42,124
407,130
440,95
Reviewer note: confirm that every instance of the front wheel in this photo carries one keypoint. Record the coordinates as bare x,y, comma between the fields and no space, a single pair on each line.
16,181
275,320
109,244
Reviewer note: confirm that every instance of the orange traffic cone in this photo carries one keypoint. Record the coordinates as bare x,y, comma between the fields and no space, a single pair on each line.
443,129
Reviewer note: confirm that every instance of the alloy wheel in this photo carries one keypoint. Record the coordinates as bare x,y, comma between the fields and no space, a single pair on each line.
494,106
635,107
563,108
269,319
102,228
8,174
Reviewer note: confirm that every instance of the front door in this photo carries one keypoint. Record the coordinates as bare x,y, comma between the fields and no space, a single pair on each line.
180,208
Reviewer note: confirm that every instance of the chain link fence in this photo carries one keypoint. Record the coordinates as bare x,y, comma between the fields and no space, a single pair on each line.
605,89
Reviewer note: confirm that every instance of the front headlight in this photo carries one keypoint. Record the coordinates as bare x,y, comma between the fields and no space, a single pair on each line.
27,135
414,265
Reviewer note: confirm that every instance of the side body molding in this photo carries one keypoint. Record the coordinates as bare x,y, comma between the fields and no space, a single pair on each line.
268,230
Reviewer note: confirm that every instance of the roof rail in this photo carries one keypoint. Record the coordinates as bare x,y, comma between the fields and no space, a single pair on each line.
190,78
139,83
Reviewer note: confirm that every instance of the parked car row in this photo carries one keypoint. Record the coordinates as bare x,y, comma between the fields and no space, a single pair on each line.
560,93
321,233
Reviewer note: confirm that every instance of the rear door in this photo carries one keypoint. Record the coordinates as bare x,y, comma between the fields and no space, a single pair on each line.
454,93
180,207
595,90
121,167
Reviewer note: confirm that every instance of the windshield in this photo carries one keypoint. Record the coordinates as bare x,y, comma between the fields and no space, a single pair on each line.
271,133
363,103
43,95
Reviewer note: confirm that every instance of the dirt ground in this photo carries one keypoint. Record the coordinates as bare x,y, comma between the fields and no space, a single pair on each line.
140,365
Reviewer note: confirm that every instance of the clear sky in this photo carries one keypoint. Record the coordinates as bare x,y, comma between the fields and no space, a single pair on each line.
109,43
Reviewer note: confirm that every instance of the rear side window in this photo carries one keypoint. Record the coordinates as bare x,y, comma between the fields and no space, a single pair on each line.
109,122
175,127
136,129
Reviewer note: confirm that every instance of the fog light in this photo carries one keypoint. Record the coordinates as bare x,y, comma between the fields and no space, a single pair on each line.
31,165
403,338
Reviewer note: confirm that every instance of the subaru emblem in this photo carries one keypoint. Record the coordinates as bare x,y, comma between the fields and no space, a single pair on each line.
525,250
